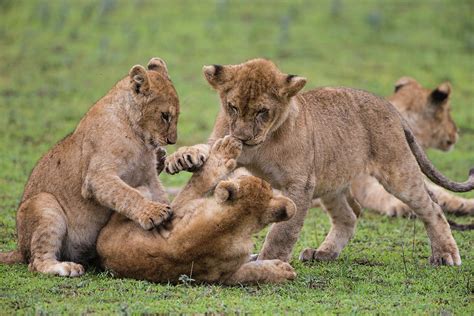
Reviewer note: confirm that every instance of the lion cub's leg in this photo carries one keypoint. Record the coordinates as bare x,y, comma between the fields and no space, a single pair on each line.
372,195
42,228
282,236
343,211
407,183
221,162
451,203
263,271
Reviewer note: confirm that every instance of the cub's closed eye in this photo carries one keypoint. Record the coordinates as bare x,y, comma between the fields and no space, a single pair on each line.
232,108
165,117
262,114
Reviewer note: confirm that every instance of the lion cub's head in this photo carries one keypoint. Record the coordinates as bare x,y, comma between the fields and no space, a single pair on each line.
155,105
253,202
255,96
427,111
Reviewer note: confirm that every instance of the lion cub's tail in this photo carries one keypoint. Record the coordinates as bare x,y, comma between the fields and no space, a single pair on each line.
429,169
11,257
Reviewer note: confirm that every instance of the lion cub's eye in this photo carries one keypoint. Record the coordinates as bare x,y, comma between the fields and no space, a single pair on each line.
262,113
232,108
166,117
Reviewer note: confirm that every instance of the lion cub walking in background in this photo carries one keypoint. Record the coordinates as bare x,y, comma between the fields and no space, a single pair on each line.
428,112
108,163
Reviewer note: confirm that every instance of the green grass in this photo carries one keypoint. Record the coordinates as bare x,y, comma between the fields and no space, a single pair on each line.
58,57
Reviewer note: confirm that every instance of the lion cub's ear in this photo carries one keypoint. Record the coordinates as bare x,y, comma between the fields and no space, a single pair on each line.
292,84
226,191
139,78
403,81
441,93
281,209
157,64
216,75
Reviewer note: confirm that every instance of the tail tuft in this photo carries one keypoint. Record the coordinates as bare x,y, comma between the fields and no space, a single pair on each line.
11,257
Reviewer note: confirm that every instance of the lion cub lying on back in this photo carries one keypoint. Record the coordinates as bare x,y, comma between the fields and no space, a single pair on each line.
213,224
106,164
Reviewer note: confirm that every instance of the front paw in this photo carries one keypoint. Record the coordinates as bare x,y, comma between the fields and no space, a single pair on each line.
228,148
160,159
253,257
186,158
154,215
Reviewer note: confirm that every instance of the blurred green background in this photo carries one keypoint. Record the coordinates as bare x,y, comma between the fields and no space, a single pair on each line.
58,57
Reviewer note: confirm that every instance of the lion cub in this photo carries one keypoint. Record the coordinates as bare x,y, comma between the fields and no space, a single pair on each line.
211,240
108,163
428,112
313,144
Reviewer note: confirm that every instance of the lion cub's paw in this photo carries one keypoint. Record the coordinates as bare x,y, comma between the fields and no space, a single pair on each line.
227,148
281,271
458,206
66,268
154,215
449,256
399,209
186,158
310,254
253,257
160,159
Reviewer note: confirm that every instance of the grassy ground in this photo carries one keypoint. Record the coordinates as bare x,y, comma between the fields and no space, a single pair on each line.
58,57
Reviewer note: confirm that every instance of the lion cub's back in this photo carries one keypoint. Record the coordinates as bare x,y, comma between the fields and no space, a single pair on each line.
58,171
355,111
356,127
357,101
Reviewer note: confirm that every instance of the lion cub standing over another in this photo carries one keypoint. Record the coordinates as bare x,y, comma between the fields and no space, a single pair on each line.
211,240
108,163
313,144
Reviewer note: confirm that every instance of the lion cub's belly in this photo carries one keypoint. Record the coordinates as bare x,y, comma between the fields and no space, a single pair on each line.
82,233
129,251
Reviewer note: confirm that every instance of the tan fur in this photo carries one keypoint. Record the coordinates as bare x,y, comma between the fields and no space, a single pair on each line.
211,236
431,122
432,125
314,144
104,165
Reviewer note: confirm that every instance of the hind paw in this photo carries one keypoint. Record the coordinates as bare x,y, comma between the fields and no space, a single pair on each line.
280,271
66,268
446,257
399,210
310,254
